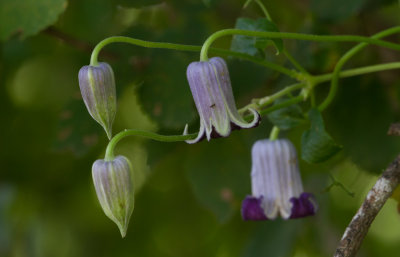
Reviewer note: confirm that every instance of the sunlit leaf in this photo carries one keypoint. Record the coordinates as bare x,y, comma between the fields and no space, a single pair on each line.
26,17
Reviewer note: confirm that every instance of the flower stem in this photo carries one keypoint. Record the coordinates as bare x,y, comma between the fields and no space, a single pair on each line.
274,133
265,101
344,59
190,48
134,132
298,36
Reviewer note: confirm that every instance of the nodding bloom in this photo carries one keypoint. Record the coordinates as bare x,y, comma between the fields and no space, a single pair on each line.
276,184
114,189
212,93
97,86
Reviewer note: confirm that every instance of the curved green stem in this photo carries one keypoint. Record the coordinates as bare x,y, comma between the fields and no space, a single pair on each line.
264,9
267,100
344,59
298,36
274,133
190,48
358,71
134,132
264,101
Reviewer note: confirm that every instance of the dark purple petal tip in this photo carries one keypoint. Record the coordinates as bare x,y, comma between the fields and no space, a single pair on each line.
252,210
303,206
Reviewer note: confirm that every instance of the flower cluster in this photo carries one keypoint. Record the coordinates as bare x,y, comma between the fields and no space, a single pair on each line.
276,183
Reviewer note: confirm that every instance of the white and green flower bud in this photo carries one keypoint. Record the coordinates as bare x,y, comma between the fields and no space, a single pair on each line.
97,86
114,189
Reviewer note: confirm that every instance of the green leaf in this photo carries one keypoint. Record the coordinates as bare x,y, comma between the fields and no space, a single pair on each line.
361,115
255,45
272,238
288,117
316,144
165,93
136,3
219,181
27,17
76,131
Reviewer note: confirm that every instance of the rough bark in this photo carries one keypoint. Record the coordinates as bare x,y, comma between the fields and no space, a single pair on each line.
376,198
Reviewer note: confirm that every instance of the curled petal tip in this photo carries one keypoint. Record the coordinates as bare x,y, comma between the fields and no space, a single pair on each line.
200,135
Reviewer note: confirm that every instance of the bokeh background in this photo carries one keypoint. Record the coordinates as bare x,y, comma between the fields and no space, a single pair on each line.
188,197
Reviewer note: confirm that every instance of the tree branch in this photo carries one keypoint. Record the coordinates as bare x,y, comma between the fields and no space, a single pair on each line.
376,198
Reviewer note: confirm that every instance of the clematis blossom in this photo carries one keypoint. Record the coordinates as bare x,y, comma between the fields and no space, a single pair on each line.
276,184
114,189
212,93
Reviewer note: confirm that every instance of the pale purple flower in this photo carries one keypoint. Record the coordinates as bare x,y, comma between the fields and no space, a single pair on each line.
276,184
97,86
212,93
114,189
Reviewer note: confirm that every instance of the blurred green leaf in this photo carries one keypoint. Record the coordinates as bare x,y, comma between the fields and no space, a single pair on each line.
316,144
136,3
254,45
76,130
165,93
218,180
27,17
272,238
336,10
288,117
361,118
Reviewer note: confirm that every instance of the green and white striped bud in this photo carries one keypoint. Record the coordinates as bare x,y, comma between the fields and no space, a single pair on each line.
97,86
114,189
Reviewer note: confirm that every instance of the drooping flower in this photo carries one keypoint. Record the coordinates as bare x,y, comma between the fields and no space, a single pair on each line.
276,184
114,189
212,93
97,87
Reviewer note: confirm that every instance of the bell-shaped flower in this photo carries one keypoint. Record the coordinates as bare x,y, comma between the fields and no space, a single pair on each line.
114,189
97,86
276,184
212,93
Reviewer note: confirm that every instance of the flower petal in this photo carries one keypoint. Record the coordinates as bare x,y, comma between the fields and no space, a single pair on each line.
303,206
251,209
226,90
98,91
200,135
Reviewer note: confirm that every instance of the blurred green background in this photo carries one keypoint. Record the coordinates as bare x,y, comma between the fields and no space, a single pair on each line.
188,197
